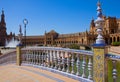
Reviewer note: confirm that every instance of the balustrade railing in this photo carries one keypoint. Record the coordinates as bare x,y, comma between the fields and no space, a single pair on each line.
8,58
70,61
114,60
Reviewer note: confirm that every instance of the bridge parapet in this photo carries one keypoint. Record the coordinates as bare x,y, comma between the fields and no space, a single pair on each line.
73,63
78,63
70,62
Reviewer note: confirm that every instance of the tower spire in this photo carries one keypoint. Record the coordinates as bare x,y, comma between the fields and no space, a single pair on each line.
99,24
20,29
2,11
3,18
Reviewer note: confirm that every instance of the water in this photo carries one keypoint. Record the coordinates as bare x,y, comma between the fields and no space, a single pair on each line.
12,43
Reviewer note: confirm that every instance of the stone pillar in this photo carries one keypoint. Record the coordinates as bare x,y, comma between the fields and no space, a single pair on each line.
99,49
99,64
18,53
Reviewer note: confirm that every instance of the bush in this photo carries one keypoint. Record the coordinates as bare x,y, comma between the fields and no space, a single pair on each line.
74,46
115,43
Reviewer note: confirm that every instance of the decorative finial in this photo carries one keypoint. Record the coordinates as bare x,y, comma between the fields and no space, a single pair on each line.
98,4
99,25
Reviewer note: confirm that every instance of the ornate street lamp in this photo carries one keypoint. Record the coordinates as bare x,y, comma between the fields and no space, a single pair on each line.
25,22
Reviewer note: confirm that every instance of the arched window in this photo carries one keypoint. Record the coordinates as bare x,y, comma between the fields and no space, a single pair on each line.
118,39
110,40
114,39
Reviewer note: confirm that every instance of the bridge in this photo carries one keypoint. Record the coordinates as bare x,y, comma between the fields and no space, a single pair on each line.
55,63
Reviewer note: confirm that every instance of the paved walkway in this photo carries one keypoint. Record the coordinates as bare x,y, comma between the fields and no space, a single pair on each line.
115,50
13,73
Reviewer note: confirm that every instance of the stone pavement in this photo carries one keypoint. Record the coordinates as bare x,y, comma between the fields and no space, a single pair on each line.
13,73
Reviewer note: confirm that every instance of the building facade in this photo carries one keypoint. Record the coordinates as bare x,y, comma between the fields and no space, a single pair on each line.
111,33
3,34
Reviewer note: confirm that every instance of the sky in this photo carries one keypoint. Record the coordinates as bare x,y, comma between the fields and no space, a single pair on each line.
63,16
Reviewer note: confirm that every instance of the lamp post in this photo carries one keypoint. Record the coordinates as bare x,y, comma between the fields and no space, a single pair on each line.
25,22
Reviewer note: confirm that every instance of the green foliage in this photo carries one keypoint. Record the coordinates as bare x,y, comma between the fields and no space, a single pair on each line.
115,43
87,48
74,46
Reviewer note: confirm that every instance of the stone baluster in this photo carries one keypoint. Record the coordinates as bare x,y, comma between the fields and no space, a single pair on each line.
55,59
78,65
48,57
45,58
27,57
90,68
39,56
59,61
72,64
114,71
83,66
68,62
35,57
42,58
63,61
7,59
11,59
52,59
32,58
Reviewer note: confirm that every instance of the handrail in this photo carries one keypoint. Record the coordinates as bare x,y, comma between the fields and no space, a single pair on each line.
85,52
113,57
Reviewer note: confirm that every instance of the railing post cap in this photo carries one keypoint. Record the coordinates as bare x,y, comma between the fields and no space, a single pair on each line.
99,45
19,45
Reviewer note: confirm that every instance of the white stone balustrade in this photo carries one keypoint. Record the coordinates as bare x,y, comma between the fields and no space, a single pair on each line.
61,59
75,62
